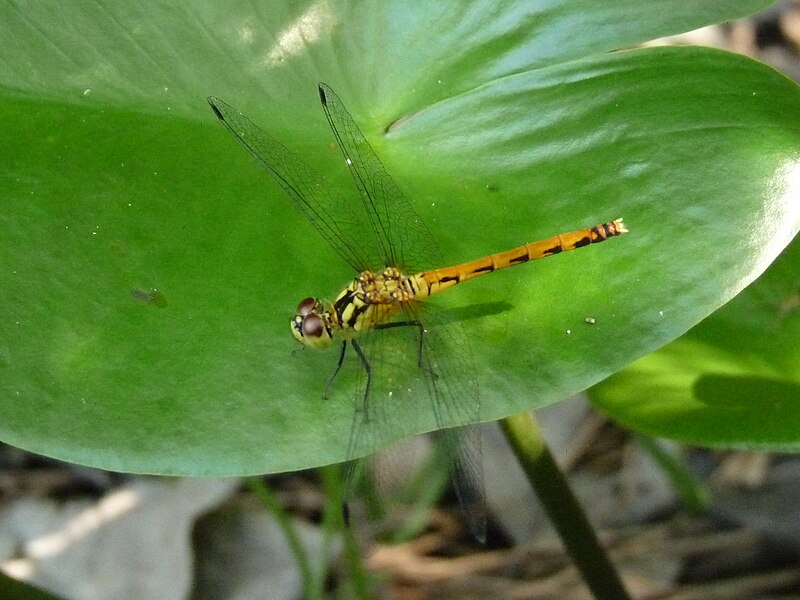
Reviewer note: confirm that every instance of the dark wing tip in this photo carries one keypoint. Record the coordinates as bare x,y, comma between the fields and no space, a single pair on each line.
212,101
323,93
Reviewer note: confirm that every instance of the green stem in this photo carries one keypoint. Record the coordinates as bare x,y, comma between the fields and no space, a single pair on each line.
523,434
265,495
694,495
333,520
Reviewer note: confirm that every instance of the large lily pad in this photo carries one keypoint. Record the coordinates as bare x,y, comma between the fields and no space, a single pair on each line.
149,269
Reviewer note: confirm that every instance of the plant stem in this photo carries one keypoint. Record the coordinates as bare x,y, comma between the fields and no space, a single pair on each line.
265,495
694,495
333,520
523,434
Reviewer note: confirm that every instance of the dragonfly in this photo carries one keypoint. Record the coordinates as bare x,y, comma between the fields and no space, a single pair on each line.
380,235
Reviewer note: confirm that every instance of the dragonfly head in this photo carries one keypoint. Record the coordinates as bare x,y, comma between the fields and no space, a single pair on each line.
310,324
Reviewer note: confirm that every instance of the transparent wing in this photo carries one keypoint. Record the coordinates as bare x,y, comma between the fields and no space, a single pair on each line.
450,376
340,220
446,378
404,240
403,393
376,229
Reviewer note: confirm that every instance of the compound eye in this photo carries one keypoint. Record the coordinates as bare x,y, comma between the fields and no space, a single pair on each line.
306,306
313,326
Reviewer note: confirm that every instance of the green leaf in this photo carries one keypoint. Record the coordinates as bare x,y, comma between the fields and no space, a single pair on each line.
150,270
732,380
14,589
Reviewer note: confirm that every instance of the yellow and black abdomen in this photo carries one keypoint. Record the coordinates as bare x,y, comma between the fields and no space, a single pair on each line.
439,280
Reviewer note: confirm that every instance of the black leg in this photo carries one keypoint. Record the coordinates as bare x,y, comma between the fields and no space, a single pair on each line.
336,372
365,364
416,324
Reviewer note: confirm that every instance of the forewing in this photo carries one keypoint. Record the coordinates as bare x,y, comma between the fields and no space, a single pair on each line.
405,242
340,220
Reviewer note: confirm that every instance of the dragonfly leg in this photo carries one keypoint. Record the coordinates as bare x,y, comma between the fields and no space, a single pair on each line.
336,371
421,329
365,364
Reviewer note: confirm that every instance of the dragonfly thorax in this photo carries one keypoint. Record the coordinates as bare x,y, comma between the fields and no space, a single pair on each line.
370,299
